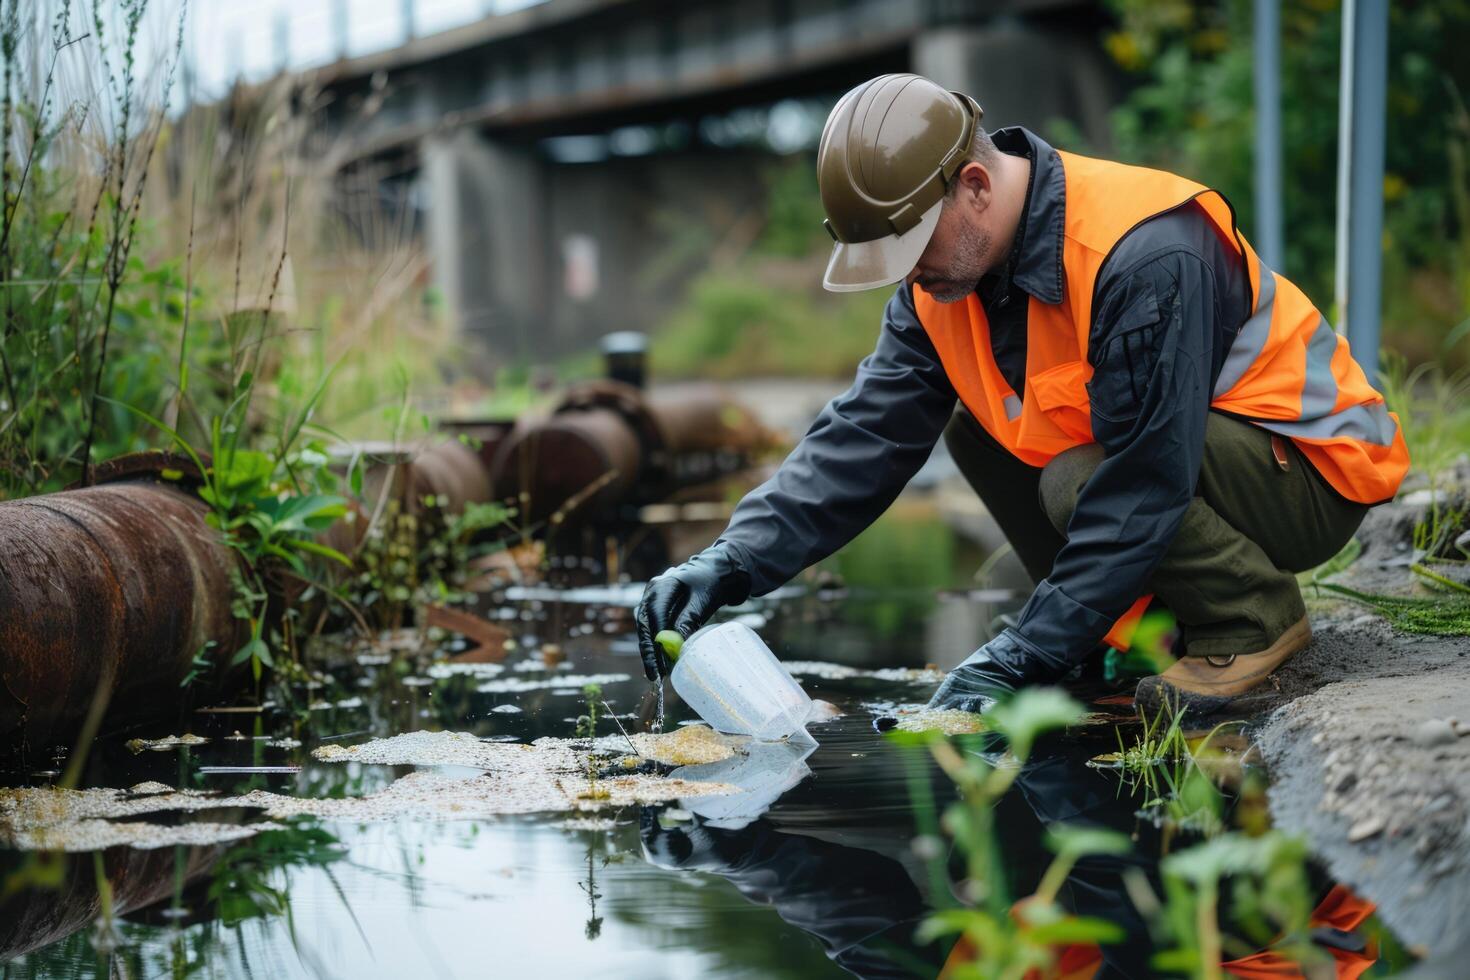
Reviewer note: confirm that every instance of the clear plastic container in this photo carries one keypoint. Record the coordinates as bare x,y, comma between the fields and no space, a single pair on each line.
728,675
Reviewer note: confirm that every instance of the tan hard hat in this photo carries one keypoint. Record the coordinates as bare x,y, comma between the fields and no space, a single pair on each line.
888,151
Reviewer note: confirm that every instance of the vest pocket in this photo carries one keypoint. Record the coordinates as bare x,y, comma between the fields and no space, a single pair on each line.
1061,393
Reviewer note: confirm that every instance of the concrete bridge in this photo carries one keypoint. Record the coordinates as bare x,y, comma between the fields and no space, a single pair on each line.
561,154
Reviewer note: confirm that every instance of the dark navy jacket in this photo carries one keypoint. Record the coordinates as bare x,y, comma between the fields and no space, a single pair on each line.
1169,301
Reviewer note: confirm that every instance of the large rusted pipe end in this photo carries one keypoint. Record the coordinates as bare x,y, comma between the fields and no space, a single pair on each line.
571,467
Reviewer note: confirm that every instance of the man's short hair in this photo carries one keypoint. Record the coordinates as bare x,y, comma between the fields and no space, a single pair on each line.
982,150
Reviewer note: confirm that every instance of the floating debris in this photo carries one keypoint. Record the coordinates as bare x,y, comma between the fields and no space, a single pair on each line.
517,779
412,681
506,709
163,744
97,835
284,743
689,746
950,721
842,672
441,671
514,685
149,788
452,749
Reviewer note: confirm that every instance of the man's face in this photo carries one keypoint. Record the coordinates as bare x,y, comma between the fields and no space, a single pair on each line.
961,249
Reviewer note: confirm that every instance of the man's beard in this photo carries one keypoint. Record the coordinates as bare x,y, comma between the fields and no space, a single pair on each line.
971,249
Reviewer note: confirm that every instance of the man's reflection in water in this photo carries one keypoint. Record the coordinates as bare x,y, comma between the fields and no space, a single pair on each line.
863,905
860,905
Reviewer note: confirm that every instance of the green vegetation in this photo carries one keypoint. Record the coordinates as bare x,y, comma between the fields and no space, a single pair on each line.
1192,111
1434,414
587,729
1006,941
764,313
744,322
1271,898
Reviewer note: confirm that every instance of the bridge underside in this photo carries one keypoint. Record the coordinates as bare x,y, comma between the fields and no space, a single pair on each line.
560,167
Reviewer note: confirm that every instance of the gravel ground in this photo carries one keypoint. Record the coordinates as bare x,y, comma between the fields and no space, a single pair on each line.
1368,742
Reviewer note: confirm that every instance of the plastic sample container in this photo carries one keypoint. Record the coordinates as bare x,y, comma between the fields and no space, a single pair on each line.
727,674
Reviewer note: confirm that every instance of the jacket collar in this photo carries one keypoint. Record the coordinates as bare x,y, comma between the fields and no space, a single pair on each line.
1035,262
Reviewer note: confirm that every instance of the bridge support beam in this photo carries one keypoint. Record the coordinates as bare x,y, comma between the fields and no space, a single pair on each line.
996,64
485,238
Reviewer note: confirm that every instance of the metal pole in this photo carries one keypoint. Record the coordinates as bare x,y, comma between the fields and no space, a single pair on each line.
410,29
1364,97
1269,221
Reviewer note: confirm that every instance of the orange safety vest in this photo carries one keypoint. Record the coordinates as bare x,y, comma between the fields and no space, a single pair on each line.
1287,370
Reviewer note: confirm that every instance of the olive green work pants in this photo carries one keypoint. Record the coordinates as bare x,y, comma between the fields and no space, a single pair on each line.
1228,574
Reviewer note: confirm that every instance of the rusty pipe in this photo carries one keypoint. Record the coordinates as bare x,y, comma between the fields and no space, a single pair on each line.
109,591
581,465
635,447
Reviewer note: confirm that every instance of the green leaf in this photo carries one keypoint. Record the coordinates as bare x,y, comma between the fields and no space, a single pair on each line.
946,922
321,550
254,648
1077,929
305,513
1028,714
1074,842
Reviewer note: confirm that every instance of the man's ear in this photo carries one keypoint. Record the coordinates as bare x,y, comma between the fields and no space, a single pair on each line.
974,185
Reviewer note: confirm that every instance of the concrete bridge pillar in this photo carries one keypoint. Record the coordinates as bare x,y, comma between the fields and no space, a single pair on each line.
1023,75
485,239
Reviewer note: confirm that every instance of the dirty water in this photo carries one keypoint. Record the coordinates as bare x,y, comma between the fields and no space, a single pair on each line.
409,824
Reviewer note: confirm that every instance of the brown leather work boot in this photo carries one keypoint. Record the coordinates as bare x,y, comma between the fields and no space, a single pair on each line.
1204,685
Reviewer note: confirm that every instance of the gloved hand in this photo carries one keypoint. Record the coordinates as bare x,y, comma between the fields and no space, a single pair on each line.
683,598
1005,664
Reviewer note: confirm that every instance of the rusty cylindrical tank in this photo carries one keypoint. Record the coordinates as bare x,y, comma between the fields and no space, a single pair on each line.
608,444
110,591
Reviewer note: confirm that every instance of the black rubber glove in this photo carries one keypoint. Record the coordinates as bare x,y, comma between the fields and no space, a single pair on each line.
683,598
1005,664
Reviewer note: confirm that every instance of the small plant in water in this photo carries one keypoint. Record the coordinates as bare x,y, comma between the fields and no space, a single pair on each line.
587,729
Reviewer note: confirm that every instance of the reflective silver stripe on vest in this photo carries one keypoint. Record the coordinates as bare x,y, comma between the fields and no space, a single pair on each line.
1013,407
1253,335
1365,423
1319,387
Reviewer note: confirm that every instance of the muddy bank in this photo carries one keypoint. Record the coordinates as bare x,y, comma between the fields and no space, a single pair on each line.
1368,742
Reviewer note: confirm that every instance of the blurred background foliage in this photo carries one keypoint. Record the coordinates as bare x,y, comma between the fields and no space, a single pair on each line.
1192,111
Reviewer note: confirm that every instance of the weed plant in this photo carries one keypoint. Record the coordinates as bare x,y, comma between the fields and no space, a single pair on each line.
1262,872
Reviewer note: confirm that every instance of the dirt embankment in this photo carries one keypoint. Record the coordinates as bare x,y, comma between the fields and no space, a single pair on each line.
1369,748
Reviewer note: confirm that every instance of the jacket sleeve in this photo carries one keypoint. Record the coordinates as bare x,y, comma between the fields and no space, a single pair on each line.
853,461
1151,350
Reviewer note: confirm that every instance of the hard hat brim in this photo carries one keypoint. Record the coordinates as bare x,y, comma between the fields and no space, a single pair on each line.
856,266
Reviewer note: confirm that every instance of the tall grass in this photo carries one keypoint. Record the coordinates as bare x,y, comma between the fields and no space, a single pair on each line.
143,253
